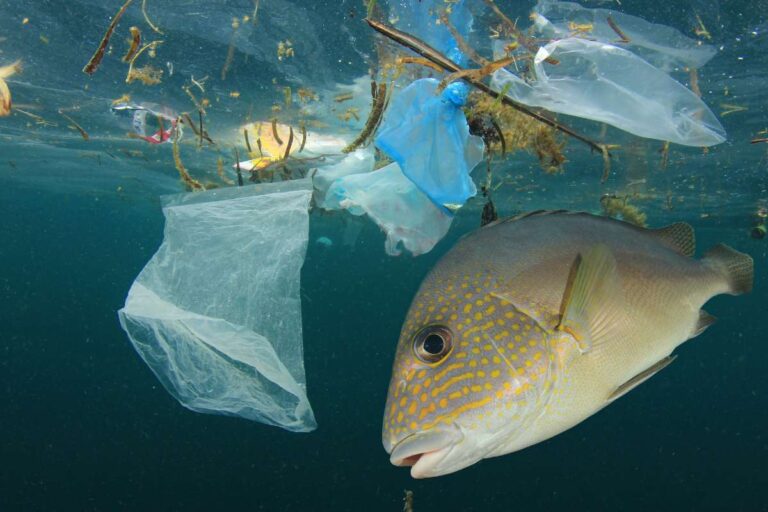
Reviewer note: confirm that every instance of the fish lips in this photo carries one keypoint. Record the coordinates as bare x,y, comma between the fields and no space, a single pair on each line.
423,451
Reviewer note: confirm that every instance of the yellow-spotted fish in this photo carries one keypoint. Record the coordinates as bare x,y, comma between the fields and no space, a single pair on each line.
530,325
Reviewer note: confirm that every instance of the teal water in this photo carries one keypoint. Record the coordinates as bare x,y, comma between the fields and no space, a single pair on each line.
84,425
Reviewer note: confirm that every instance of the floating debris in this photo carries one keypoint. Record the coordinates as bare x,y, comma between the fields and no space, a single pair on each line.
93,64
75,125
183,173
700,30
620,207
615,28
146,18
284,50
306,95
408,501
135,43
148,75
374,118
340,98
729,108
5,93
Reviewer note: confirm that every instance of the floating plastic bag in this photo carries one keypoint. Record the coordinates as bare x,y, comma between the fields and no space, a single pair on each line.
216,313
357,162
405,214
605,83
428,135
152,123
660,45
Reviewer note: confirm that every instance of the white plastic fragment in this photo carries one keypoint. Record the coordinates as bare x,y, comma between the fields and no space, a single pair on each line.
407,216
606,83
216,313
662,46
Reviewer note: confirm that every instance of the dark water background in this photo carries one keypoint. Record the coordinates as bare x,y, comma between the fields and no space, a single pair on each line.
84,425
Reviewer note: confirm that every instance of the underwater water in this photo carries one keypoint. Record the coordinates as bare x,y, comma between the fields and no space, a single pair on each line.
85,425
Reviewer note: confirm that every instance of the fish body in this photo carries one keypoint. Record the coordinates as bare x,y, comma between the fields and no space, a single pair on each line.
530,325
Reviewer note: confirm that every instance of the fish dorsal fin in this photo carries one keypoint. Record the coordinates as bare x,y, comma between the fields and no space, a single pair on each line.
592,310
678,236
640,378
525,215
705,320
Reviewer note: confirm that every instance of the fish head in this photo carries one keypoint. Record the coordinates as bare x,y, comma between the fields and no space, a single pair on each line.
471,372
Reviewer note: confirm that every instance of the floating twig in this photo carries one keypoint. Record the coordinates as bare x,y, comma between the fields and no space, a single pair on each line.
239,171
290,143
439,59
421,62
247,142
475,74
146,18
615,28
303,136
511,27
753,141
93,64
340,98
377,110
76,126
135,42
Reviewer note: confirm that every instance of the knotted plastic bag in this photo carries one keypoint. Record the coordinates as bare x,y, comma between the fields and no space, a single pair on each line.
662,46
405,214
216,313
428,135
606,83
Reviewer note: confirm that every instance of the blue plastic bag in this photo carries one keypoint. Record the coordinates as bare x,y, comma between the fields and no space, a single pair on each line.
428,136
418,17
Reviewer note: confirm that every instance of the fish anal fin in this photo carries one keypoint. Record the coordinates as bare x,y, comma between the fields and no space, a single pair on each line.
737,268
678,236
705,320
592,309
640,378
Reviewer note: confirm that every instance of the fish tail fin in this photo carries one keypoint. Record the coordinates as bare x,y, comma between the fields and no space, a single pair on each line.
736,267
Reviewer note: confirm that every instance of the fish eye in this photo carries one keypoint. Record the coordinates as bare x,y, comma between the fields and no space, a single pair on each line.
432,344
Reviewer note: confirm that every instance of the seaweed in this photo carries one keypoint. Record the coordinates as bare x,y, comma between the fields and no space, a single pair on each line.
475,74
620,207
188,180
290,143
148,75
615,28
274,133
5,92
377,111
222,176
75,125
93,64
303,136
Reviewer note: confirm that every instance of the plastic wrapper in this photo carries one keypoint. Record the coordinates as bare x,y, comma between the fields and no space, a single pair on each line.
408,217
216,313
662,46
606,83
428,135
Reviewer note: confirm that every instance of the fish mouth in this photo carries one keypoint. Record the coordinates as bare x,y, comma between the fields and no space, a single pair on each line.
423,451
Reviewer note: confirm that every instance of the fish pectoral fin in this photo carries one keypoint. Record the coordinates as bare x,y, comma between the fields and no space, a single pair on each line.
678,236
593,310
705,320
640,378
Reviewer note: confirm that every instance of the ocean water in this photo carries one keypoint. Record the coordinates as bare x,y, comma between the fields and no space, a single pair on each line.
85,425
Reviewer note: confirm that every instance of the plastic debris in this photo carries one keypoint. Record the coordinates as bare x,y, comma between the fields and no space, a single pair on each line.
418,18
662,46
407,216
606,83
216,313
152,123
359,161
446,152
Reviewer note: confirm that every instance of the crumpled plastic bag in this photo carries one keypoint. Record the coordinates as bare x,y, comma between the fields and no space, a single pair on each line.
606,83
428,135
359,161
406,215
662,46
216,312
160,126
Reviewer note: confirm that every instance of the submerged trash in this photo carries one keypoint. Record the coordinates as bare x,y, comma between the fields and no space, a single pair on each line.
216,312
525,313
429,137
152,123
662,46
606,83
360,161
407,216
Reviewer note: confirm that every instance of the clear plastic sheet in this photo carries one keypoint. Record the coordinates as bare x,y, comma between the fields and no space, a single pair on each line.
606,83
216,313
446,152
662,46
357,162
406,215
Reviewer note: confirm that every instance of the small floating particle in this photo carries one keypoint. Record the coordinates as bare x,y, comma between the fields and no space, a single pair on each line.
234,94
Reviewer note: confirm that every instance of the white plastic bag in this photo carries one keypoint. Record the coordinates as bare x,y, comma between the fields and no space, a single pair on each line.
404,212
662,46
216,313
606,83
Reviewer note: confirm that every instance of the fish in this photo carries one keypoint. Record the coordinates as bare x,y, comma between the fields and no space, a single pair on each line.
530,325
